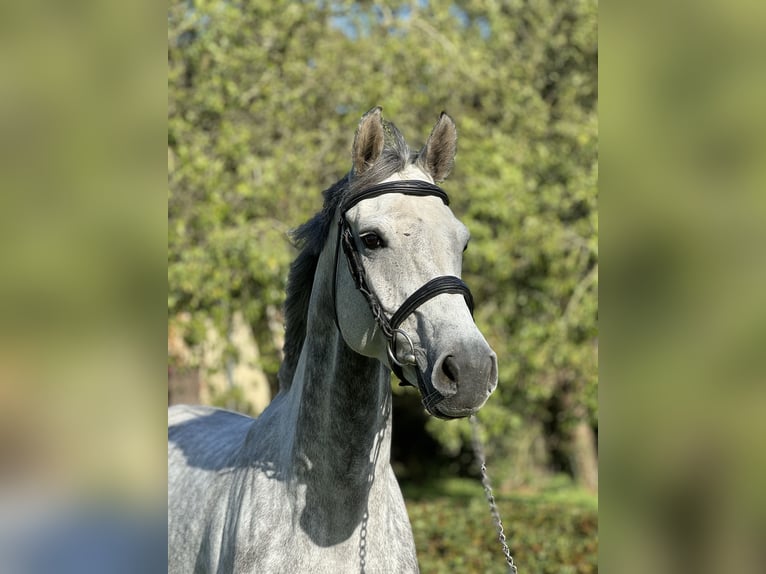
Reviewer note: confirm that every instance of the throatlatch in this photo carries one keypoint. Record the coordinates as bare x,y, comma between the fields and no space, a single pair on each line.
436,286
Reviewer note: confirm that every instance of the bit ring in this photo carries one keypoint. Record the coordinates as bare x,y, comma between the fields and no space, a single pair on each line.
409,358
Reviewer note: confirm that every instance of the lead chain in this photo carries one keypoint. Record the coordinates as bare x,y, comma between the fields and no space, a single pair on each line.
479,452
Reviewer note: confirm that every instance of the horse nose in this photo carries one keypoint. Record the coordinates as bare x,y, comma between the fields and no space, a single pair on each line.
475,368
446,374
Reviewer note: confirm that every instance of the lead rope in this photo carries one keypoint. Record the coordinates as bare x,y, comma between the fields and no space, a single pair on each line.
479,452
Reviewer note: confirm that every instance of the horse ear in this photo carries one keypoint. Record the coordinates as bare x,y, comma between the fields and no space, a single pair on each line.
438,154
368,141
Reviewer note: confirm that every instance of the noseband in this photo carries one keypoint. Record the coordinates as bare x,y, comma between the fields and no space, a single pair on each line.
390,326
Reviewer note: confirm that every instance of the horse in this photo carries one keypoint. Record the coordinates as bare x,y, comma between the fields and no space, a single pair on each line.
307,486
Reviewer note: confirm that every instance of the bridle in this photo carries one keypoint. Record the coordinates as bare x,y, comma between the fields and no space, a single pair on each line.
390,326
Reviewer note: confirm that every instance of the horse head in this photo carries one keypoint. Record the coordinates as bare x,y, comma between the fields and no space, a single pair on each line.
404,248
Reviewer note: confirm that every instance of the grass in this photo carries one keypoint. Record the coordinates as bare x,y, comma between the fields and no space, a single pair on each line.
553,529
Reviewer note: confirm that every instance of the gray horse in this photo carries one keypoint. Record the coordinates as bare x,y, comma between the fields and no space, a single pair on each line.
308,486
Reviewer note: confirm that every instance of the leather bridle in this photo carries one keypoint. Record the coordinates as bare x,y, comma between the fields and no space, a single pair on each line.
390,326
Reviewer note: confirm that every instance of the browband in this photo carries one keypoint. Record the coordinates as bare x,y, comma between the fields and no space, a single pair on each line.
407,187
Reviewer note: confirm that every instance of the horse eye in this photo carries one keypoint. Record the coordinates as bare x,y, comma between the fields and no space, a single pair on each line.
466,247
372,241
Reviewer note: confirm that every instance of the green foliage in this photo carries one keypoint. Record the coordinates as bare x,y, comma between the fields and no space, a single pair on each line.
232,398
454,531
263,100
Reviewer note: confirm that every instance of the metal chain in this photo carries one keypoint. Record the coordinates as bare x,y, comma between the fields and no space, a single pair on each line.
363,543
479,452
380,435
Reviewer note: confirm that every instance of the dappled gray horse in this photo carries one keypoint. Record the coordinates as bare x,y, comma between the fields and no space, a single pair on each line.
308,486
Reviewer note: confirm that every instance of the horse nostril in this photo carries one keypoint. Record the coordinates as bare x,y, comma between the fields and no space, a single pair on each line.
450,368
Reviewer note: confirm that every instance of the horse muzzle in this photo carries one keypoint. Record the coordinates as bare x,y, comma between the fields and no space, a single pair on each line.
465,379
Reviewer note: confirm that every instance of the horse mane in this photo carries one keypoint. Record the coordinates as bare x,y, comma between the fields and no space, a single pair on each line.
310,238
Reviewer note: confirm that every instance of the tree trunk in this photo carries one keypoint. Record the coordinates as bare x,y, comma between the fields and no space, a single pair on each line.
570,437
584,456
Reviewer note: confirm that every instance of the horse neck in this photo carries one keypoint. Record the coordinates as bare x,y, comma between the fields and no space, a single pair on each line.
341,404
344,413
340,419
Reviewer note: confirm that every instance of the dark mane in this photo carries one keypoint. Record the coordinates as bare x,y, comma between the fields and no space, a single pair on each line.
312,235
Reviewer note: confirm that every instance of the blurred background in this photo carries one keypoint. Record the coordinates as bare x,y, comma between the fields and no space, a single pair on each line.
82,281
683,311
263,101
